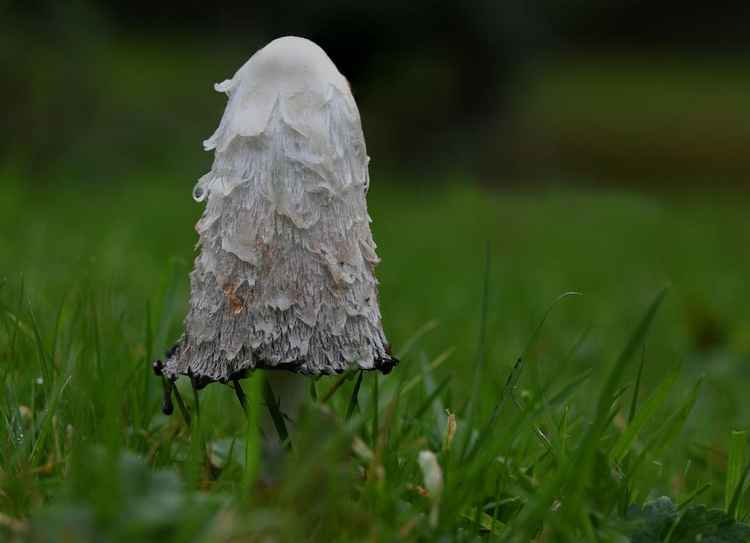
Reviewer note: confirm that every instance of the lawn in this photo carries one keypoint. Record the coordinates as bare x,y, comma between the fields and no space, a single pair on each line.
566,445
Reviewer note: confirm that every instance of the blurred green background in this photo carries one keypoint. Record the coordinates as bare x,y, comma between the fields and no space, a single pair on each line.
598,147
637,93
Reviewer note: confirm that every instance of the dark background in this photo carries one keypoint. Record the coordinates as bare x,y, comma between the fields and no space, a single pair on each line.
586,91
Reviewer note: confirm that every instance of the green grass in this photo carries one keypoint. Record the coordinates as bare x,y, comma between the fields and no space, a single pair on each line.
556,438
685,117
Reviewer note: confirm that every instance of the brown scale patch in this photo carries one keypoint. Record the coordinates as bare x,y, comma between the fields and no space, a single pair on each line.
235,302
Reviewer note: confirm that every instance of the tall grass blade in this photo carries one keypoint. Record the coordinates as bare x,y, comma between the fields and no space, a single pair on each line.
375,411
343,378
412,341
734,506
412,383
433,398
277,416
648,411
569,388
438,409
46,424
354,401
538,330
486,430
637,389
147,372
676,421
736,464
575,472
45,362
691,498
635,341
669,430
480,357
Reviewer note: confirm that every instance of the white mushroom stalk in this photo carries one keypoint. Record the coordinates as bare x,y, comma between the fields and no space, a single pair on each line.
285,275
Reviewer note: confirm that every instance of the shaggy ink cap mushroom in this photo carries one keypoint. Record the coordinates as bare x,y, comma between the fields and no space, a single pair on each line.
285,274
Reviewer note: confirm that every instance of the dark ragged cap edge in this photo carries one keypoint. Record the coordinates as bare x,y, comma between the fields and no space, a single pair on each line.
383,364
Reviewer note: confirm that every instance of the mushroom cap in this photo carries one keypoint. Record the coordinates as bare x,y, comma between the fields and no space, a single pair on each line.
285,276
284,68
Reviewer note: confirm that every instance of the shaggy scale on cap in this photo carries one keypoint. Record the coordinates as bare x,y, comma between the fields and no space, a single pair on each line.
285,275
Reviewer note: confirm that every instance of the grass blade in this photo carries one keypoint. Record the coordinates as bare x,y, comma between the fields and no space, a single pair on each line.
409,345
375,411
433,397
343,378
277,416
635,341
649,410
734,506
576,471
736,463
354,401
569,388
669,430
676,421
538,330
412,383
479,365
637,389
486,430
438,408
